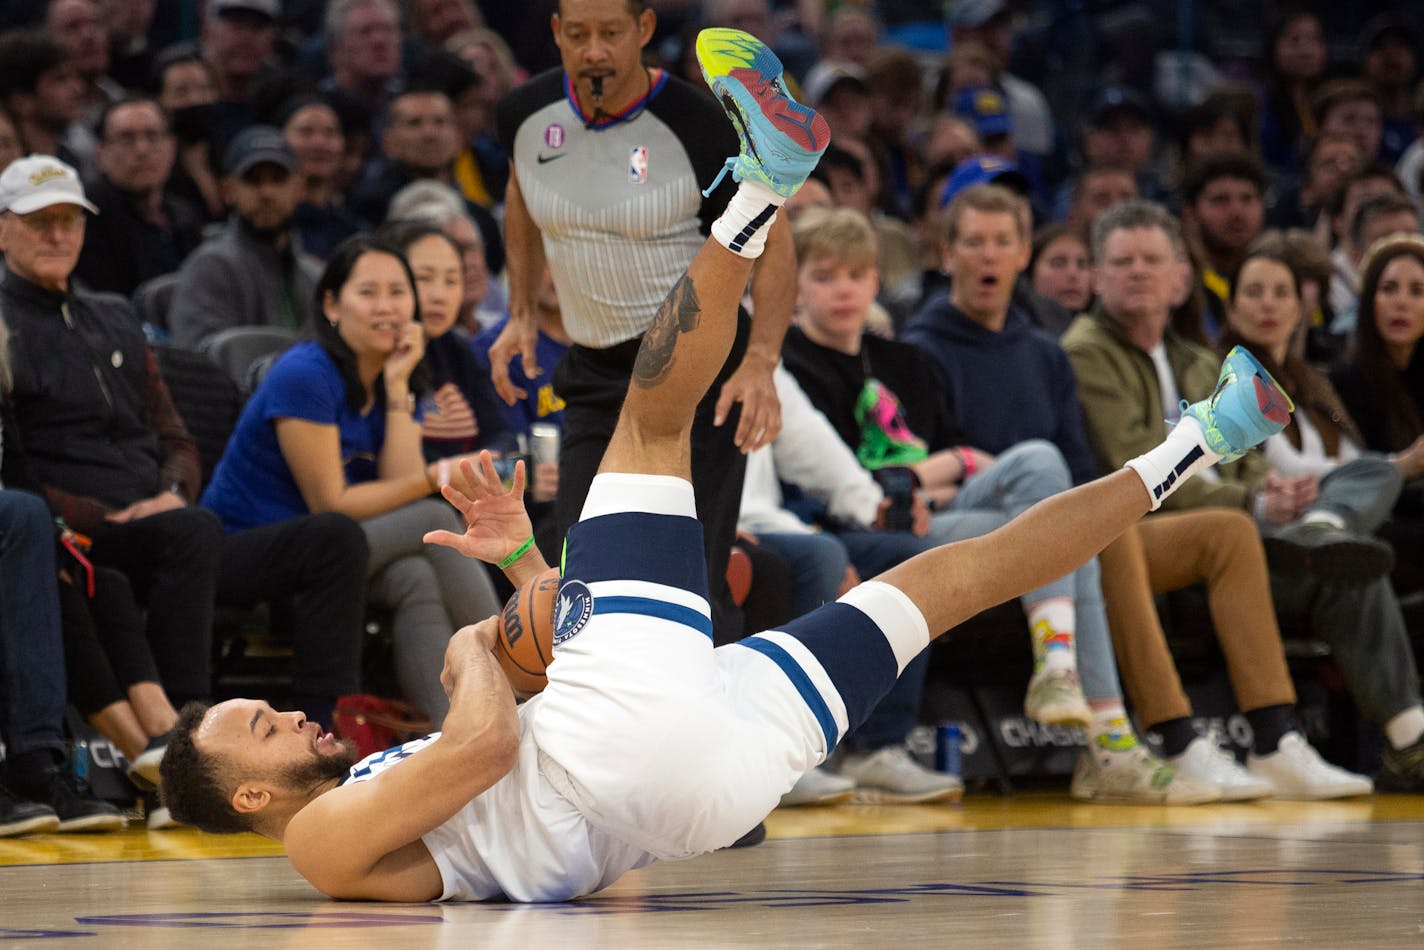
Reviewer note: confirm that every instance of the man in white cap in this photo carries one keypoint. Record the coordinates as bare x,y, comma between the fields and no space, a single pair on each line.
99,436
97,430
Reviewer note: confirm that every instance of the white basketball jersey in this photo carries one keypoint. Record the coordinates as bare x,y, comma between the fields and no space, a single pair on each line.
521,839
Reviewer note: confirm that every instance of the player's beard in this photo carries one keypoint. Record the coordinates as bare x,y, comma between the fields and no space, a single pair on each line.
312,772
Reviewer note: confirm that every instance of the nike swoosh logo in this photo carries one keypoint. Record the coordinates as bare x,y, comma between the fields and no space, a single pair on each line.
546,159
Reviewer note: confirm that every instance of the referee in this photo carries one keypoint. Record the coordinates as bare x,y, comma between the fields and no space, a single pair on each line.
609,161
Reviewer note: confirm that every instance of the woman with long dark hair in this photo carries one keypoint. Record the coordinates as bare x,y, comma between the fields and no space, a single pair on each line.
1321,453
1348,490
334,426
1381,382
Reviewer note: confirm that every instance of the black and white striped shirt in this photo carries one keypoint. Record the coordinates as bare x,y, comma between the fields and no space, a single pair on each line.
619,204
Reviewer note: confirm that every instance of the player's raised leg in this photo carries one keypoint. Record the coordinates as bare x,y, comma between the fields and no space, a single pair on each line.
843,657
781,141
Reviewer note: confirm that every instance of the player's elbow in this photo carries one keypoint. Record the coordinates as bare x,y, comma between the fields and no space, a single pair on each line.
494,751
503,747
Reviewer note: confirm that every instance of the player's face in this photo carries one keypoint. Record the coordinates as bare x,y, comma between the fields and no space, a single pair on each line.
987,253
1265,309
256,742
602,39
834,297
1138,275
373,307
439,283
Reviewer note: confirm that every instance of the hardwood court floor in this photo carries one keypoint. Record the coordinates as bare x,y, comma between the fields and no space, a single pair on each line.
1034,871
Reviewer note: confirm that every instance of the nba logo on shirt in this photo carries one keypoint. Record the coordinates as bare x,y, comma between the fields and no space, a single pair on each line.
554,136
638,165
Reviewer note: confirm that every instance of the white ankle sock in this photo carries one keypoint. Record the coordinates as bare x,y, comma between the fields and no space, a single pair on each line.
743,226
1050,624
1182,455
1406,728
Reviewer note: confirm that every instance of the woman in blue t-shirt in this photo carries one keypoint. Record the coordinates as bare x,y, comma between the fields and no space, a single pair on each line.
335,426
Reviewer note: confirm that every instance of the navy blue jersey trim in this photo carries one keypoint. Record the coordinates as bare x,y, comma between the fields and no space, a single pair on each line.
636,546
801,681
649,607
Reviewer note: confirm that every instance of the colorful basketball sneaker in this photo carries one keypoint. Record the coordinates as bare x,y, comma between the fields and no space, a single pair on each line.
1247,407
781,139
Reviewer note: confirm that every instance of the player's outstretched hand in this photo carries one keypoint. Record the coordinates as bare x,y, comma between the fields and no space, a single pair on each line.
496,523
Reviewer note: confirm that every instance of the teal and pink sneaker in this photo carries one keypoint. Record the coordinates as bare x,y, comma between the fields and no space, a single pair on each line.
1247,407
781,139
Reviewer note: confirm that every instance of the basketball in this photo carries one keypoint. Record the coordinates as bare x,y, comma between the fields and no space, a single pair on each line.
525,644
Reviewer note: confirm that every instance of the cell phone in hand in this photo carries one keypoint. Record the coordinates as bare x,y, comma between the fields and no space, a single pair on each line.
898,483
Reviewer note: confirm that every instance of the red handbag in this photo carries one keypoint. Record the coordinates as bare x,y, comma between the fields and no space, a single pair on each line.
376,724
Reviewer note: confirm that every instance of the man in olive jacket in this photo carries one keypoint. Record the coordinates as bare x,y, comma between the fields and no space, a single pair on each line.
1132,372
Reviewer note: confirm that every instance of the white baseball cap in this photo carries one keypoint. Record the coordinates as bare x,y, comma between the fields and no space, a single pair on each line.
38,181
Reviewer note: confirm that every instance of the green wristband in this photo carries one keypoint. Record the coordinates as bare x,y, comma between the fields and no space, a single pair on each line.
519,552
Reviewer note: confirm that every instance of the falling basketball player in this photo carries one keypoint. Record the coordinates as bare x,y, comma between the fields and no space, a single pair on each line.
648,743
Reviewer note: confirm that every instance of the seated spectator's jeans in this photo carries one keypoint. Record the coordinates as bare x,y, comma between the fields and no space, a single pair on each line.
1020,477
1368,640
1361,492
817,562
31,650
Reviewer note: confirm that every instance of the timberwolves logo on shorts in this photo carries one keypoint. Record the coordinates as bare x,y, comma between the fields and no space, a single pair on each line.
574,608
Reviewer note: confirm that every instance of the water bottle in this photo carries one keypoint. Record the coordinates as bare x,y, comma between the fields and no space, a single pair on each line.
947,752
82,761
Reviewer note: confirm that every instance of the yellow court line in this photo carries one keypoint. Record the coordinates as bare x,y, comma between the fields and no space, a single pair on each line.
977,813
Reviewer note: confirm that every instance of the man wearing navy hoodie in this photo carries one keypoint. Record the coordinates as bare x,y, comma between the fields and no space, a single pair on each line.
1005,379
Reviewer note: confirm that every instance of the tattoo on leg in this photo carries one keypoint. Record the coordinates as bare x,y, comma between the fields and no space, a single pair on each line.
679,313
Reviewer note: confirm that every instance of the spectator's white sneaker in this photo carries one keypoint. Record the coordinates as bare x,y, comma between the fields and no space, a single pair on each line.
1295,770
1208,763
819,787
1055,697
891,776
1135,777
